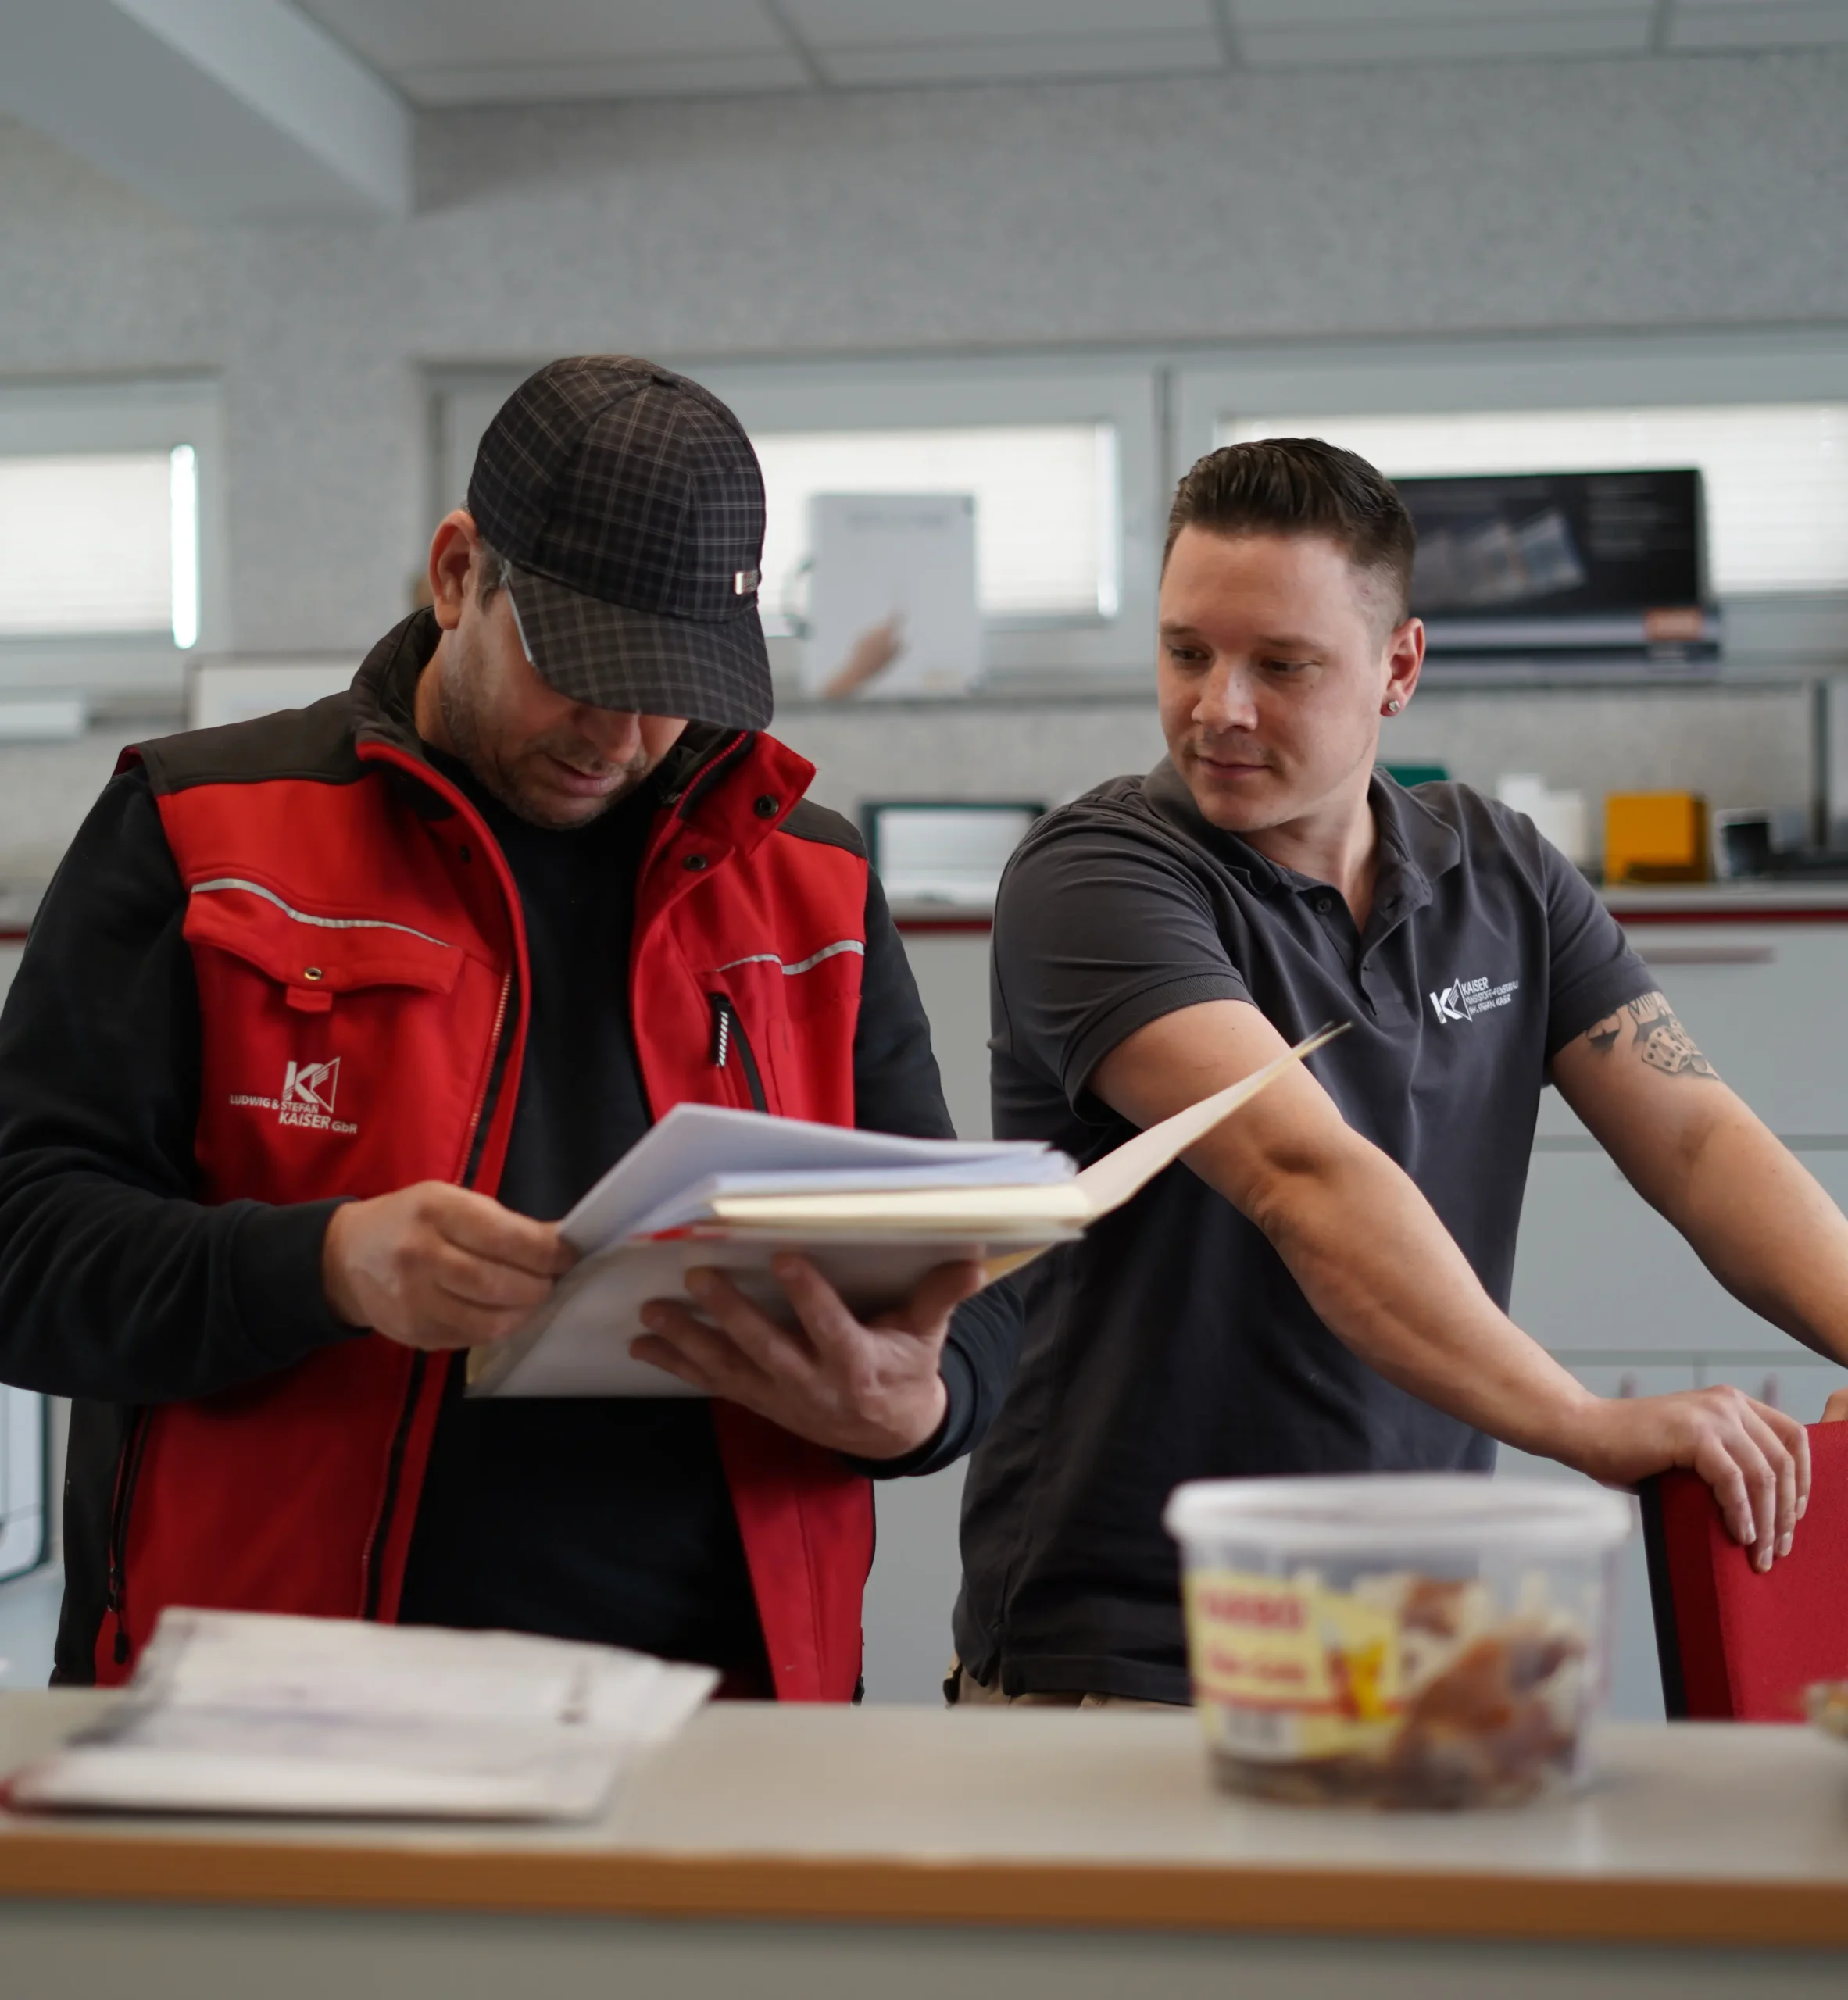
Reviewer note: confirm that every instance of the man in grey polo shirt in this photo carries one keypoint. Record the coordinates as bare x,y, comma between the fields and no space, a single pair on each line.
1323,1287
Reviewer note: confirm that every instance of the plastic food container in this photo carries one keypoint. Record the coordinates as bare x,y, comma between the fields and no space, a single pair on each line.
1413,1640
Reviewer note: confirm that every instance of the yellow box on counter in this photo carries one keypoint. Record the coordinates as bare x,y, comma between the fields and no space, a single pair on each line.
1655,836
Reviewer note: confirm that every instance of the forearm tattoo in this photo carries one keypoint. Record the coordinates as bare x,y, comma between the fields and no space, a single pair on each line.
1658,1037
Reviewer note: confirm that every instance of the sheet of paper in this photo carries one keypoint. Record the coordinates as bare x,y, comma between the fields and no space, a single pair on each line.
1112,1180
254,1713
578,1344
1043,1169
196,1760
694,1142
1093,1194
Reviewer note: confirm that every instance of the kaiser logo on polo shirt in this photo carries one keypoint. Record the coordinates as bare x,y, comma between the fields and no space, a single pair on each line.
1463,999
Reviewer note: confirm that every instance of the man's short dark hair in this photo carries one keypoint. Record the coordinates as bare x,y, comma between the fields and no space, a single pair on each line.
1301,486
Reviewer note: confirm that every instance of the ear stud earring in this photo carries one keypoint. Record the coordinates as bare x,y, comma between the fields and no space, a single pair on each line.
1392,707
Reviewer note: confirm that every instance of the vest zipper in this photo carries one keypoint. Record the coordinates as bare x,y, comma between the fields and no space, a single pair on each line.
728,1035
484,1115
372,1570
394,1477
371,1574
128,1471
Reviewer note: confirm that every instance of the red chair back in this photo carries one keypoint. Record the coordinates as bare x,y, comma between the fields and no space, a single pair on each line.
1737,1645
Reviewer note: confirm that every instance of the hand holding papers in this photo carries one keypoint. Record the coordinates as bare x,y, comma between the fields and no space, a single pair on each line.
731,1190
242,1712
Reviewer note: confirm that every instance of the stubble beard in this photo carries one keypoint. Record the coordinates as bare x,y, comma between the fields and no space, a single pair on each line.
466,720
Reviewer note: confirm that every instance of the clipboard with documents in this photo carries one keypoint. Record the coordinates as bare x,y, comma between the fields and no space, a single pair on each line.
731,1190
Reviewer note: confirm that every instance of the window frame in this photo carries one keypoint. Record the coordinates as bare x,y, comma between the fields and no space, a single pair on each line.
128,670
1774,636
1020,654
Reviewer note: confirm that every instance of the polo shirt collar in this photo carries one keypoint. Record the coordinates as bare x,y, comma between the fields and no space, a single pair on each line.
1166,790
1416,846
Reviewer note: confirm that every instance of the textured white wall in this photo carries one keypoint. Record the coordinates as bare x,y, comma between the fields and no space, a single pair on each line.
1747,745
1567,196
1737,745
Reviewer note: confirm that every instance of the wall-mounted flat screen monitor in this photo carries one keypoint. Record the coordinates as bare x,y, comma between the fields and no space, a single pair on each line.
1581,574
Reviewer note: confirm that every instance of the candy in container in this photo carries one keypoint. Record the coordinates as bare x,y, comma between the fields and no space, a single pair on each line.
1434,1640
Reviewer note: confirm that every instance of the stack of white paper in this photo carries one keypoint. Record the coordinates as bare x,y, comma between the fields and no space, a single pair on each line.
729,1189
244,1712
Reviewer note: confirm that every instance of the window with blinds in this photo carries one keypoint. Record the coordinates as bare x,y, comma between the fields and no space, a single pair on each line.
1046,508
97,543
1776,474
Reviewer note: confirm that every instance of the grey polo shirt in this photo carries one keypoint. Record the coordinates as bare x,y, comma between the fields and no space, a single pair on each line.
1171,1343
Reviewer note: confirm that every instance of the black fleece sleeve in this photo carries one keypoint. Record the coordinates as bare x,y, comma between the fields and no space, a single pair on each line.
116,1282
897,1088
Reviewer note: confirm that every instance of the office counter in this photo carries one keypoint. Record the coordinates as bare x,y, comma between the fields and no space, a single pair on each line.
908,1852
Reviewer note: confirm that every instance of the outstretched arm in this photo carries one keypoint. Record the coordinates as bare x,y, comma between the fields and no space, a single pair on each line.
1386,1277
1697,1155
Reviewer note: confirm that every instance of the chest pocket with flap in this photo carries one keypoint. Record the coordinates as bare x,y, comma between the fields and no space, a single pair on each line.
315,959
340,1053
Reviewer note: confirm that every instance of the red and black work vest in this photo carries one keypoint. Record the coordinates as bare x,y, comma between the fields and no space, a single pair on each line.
362,972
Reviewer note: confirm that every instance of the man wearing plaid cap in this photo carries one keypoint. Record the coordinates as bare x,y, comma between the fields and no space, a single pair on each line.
329,1016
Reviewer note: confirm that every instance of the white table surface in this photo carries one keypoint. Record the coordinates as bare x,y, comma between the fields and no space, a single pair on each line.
890,1797
895,1854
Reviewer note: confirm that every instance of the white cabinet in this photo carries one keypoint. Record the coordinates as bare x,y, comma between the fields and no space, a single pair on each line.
1799,1387
1600,1274
1635,1674
23,1540
1765,1001
918,1568
1612,1290
917,1562
951,967
1598,1270
22,1439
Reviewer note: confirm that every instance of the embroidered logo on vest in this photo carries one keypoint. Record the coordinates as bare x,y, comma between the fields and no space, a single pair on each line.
312,1084
308,1094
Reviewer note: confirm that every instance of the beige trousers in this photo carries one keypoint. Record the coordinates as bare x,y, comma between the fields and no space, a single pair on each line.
970,1693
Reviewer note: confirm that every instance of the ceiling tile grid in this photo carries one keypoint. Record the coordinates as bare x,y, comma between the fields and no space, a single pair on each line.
1758,24
1050,59
870,23
453,53
438,87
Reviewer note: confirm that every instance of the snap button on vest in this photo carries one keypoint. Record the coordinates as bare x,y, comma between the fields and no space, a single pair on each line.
311,972
765,806
695,861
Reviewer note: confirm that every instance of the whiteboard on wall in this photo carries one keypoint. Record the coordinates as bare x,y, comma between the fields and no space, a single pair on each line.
238,690
894,572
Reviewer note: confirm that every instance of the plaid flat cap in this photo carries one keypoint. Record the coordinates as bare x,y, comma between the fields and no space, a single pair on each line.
630,503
